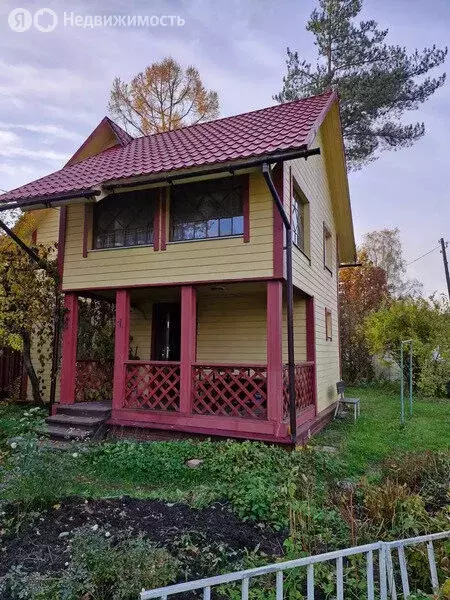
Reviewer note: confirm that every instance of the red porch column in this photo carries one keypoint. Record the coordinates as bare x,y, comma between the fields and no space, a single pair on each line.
121,345
188,345
274,351
69,349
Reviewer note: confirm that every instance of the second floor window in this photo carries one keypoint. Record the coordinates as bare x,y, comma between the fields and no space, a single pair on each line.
122,220
327,248
208,209
300,221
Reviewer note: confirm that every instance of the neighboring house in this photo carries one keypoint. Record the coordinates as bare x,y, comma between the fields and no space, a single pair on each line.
181,230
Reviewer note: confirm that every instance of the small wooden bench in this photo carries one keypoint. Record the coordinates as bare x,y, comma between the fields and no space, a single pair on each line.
342,401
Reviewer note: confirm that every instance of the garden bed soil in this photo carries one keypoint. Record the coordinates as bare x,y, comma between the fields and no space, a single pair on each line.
44,545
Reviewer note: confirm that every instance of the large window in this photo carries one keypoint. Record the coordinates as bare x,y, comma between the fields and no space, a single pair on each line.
300,221
207,209
124,220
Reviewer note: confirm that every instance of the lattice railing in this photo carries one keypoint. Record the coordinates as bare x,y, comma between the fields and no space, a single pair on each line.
230,390
152,385
94,380
304,387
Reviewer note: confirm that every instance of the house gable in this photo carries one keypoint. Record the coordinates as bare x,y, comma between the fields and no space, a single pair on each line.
334,157
106,135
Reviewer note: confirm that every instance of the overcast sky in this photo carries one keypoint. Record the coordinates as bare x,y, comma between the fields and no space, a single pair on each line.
54,90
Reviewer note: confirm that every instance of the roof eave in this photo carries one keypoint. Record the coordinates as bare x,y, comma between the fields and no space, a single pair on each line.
210,169
36,202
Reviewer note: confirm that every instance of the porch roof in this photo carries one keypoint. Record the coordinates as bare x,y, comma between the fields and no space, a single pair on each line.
289,126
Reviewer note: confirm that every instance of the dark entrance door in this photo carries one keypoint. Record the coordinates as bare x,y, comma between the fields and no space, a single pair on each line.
166,331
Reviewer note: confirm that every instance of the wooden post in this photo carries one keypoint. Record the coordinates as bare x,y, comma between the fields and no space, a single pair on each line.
69,349
274,351
188,345
121,346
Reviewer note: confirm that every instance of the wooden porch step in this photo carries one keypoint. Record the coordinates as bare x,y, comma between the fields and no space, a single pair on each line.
66,433
79,421
85,409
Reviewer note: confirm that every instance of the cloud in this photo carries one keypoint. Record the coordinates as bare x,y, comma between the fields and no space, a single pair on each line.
11,146
51,130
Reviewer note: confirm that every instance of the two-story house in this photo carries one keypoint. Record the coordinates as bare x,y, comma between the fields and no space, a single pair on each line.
188,232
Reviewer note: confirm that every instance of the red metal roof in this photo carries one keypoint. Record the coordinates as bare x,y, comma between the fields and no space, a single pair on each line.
283,127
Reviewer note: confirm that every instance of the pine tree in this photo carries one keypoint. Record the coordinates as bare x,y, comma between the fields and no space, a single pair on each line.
377,82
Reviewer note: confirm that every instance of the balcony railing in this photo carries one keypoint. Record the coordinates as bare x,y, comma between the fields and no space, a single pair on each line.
221,390
230,390
304,387
152,385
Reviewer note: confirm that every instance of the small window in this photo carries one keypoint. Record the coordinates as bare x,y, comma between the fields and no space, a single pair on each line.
123,220
328,325
300,221
327,248
209,209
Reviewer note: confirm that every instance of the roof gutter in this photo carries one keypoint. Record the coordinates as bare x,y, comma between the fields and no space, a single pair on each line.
289,292
48,201
301,152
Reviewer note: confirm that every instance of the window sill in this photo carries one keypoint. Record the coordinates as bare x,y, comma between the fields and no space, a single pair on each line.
120,248
223,237
328,269
308,258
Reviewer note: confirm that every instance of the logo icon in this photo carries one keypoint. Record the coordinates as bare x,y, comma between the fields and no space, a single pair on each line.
20,20
45,20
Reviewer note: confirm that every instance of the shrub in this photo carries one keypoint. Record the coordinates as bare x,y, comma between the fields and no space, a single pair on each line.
39,476
427,473
393,512
100,568
15,422
427,324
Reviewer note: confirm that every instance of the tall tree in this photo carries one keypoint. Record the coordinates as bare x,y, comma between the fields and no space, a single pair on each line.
362,290
377,82
162,97
384,249
27,299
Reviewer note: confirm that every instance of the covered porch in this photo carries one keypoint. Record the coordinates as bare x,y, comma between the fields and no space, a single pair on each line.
207,359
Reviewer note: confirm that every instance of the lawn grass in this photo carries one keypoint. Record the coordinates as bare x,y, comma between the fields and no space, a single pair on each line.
378,433
301,499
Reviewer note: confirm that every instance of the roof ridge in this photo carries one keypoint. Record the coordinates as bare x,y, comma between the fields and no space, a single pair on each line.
328,92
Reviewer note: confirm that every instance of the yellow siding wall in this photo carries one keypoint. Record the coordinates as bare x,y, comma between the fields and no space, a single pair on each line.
204,260
141,331
232,329
47,233
313,278
299,330
48,229
229,328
